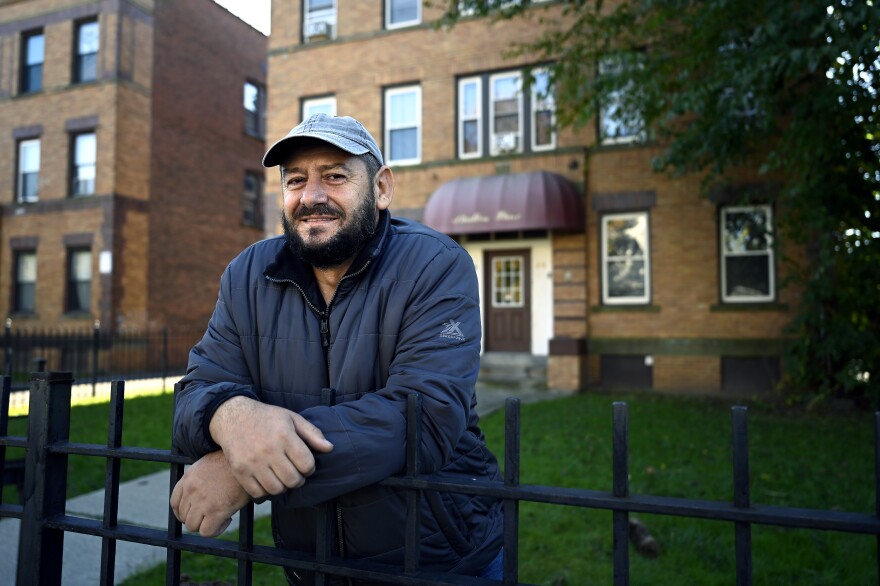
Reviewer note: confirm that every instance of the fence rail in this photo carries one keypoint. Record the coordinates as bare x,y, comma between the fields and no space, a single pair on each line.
44,522
99,354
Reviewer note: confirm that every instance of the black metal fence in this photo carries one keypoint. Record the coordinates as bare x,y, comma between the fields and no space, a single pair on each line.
44,522
99,354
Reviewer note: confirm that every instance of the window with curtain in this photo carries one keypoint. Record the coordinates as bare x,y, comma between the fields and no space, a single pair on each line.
32,57
87,41
626,259
747,256
403,125
25,279
83,169
400,13
28,174
79,280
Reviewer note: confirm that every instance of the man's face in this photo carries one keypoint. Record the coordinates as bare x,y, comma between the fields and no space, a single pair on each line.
330,209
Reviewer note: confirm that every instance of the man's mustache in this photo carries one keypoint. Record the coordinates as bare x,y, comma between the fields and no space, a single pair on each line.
321,209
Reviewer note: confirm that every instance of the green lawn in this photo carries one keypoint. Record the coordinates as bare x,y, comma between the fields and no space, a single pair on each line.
678,447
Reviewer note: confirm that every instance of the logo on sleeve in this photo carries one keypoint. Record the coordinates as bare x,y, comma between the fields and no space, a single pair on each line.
451,330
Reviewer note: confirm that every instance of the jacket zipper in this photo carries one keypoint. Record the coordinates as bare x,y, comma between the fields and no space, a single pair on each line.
324,317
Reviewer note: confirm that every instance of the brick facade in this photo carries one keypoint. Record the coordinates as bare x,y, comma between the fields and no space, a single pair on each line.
680,334
167,112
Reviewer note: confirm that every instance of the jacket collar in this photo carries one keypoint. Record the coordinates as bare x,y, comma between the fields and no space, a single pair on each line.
287,267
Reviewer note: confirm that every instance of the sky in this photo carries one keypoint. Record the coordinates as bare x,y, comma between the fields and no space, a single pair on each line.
256,13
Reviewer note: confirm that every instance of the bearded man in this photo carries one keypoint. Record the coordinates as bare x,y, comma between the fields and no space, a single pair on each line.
376,308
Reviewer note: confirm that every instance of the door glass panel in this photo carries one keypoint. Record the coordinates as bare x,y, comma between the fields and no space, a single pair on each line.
507,281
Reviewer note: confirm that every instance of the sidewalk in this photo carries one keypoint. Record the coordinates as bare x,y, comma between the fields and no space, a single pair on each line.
144,502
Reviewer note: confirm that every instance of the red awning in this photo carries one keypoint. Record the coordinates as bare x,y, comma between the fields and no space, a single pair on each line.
505,203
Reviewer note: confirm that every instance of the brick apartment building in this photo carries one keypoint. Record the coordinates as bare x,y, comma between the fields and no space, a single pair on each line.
616,275
131,133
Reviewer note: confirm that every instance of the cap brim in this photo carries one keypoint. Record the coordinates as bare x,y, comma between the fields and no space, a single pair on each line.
281,150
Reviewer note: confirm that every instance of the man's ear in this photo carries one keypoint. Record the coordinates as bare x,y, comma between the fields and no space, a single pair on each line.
384,185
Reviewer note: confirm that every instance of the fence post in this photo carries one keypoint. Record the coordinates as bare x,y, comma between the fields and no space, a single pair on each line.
620,482
164,356
96,335
7,347
41,549
512,460
741,497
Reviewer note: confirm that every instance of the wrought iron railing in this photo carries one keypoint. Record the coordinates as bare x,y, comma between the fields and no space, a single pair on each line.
44,521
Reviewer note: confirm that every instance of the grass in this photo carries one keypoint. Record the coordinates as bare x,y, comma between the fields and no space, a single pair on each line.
678,447
146,424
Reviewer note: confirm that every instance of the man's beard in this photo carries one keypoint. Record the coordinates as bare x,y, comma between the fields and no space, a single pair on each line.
353,233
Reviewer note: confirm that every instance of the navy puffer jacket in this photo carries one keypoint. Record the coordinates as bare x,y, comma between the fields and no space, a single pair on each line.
405,319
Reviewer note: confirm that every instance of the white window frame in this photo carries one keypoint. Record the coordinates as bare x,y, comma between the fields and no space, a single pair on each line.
550,100
607,299
254,103
417,123
476,117
25,275
768,252
521,288
312,17
91,161
610,65
79,271
493,143
326,104
32,59
404,23
20,196
83,49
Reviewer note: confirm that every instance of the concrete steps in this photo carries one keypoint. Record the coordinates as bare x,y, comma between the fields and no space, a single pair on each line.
506,368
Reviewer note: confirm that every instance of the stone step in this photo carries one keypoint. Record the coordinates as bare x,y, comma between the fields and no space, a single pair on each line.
505,367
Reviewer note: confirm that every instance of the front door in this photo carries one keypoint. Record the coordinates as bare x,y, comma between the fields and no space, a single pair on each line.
507,295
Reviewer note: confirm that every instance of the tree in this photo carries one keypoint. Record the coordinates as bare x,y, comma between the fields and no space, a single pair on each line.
789,87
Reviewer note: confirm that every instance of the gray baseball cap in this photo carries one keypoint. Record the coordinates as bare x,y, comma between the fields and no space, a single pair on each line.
342,131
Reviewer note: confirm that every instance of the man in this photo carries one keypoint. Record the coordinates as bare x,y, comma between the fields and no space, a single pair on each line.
374,307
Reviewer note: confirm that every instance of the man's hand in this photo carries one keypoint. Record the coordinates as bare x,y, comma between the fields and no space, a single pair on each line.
269,449
208,495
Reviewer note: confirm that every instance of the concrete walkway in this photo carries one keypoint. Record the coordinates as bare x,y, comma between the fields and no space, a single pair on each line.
144,502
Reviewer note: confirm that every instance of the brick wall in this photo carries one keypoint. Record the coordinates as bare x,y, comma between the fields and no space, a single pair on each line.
365,59
203,56
170,158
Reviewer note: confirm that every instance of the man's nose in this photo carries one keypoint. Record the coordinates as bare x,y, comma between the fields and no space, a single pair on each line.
313,193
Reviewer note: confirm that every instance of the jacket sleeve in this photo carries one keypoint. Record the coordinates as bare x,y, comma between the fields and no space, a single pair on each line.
437,355
215,373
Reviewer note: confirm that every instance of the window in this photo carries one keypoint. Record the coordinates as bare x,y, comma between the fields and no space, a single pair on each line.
85,62
82,169
28,170
619,122
400,13
625,259
319,106
507,118
319,20
32,56
747,263
505,113
254,111
79,280
470,117
25,292
543,112
251,202
403,121
507,281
